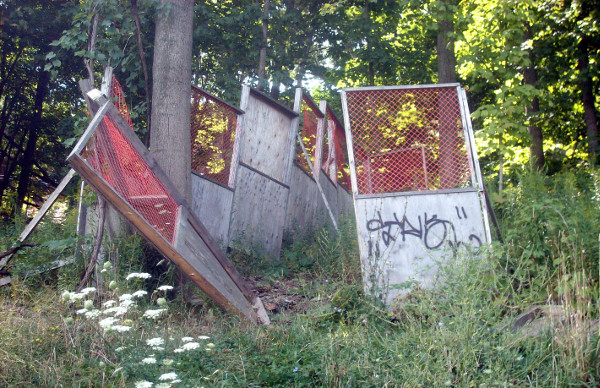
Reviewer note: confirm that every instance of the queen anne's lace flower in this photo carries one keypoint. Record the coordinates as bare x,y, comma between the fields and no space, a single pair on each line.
149,360
138,275
143,384
155,341
153,314
186,339
191,346
165,288
139,293
168,376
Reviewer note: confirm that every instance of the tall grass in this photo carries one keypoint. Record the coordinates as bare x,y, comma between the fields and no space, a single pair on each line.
459,333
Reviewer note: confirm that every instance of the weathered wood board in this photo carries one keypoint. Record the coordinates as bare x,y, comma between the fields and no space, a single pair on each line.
265,144
345,202
212,204
401,237
304,197
330,190
133,175
258,213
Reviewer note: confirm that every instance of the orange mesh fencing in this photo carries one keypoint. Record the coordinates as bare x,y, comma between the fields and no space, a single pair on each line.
310,120
341,152
213,126
118,99
408,139
110,153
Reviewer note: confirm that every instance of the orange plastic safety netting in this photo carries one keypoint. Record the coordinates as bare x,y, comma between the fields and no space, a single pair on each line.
110,153
213,125
118,99
408,139
310,120
341,152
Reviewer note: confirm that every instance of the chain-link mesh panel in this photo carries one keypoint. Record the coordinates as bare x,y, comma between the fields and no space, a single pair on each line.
110,153
341,150
118,98
408,139
308,134
213,125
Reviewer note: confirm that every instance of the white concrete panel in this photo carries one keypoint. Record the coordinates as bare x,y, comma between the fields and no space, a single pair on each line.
401,237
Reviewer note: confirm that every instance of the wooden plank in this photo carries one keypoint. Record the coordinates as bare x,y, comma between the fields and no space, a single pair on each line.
301,209
41,213
265,138
319,142
5,280
258,214
333,220
292,133
46,206
273,103
212,203
349,144
83,140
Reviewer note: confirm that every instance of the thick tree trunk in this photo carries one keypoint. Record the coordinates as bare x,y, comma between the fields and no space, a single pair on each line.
536,149
172,78
34,132
262,59
587,96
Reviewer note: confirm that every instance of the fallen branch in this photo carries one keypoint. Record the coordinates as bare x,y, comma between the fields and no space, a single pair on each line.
12,251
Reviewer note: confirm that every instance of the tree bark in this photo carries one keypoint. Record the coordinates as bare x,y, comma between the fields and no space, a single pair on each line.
34,132
445,44
172,77
587,97
536,150
262,59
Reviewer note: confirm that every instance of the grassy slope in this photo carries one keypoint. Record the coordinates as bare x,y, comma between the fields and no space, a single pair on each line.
457,335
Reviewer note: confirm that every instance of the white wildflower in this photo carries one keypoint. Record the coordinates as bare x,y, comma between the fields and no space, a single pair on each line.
91,314
186,339
168,376
75,296
107,322
127,303
165,288
88,290
191,346
153,314
149,360
203,337
81,311
178,350
116,311
139,293
163,385
167,362
125,297
158,348
138,275
120,348
109,303
143,384
155,341
121,328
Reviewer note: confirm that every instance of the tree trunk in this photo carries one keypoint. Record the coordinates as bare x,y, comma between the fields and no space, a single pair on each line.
170,136
445,44
587,96
34,132
172,78
262,59
536,149
446,74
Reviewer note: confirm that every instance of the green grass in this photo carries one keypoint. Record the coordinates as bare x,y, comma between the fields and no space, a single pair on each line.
456,334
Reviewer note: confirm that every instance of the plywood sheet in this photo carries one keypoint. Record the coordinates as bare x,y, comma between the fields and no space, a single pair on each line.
401,237
302,203
344,201
212,203
266,133
258,214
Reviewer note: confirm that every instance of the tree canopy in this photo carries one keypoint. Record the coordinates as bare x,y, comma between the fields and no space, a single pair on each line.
531,68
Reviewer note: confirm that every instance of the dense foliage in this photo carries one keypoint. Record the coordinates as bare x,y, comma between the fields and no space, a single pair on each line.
531,68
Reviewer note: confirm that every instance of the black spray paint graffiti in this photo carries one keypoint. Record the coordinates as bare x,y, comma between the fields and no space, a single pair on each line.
433,232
